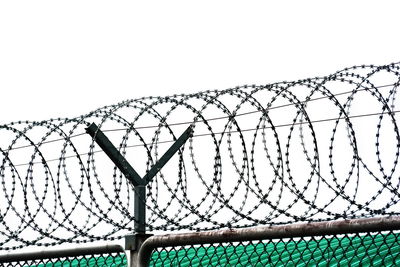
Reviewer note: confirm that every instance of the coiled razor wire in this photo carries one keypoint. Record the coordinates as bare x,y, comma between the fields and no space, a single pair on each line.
316,149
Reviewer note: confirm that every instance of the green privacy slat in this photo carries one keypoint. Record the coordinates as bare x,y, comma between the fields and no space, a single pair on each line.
364,250
109,261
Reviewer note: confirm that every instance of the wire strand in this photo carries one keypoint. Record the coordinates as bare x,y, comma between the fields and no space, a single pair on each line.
211,119
219,133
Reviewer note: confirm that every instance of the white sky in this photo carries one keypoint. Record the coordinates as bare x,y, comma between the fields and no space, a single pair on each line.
65,58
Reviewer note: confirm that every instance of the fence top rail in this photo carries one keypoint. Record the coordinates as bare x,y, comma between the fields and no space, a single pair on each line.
61,253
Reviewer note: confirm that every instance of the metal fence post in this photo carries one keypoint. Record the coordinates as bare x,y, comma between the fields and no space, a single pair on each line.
134,242
140,209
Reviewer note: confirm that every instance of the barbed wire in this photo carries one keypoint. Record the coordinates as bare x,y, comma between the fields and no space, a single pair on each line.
315,149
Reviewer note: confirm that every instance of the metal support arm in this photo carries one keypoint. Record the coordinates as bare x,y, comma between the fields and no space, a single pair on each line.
123,165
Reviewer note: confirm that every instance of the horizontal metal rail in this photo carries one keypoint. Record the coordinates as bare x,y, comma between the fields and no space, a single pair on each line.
268,232
60,253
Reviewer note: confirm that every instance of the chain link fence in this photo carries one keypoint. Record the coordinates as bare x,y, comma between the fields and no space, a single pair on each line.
366,249
361,249
99,256
356,242
86,260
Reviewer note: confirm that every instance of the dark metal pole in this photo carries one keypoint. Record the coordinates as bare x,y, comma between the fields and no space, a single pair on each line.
140,209
113,153
134,242
140,183
168,155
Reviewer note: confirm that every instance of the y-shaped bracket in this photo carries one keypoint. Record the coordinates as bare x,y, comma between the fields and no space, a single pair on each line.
139,183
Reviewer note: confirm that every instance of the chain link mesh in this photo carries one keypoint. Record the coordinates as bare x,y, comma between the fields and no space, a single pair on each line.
366,249
107,259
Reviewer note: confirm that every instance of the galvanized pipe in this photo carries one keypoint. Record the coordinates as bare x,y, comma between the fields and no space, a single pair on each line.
60,253
268,232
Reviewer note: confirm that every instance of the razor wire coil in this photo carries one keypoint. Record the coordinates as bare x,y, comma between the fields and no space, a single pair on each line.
259,155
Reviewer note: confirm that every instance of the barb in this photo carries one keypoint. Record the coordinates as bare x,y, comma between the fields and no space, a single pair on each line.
258,155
